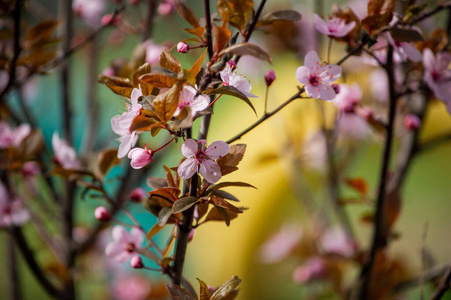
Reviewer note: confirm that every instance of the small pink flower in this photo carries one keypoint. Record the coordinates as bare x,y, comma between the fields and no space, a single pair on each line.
436,73
335,240
108,19
280,245
335,27
348,97
140,157
270,76
412,122
89,10
102,214
315,268
182,47
121,124
187,98
137,195
65,155
30,169
153,52
166,7
131,287
202,160
136,262
124,245
230,78
12,213
12,137
318,78
404,50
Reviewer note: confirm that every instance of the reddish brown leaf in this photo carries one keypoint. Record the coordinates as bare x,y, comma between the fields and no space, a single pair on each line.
204,292
247,49
236,12
392,207
153,231
229,162
183,204
141,123
178,293
107,159
358,184
221,35
158,80
226,288
199,31
405,35
198,64
166,104
169,62
221,202
279,16
186,13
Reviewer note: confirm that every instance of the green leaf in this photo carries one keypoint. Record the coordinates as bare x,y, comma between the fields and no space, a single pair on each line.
278,16
247,49
183,204
178,293
164,215
232,91
226,288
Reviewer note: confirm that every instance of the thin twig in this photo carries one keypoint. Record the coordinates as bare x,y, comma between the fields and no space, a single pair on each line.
208,28
430,13
443,286
148,26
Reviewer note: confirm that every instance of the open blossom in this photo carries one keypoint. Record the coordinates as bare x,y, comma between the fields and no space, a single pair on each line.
318,78
404,50
348,97
121,124
140,157
437,75
334,27
187,98
65,155
11,210
202,160
230,78
124,245
12,137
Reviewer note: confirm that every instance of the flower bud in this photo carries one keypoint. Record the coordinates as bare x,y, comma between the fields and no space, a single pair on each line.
164,9
137,195
191,235
412,122
140,157
136,262
270,76
108,19
182,47
102,214
336,87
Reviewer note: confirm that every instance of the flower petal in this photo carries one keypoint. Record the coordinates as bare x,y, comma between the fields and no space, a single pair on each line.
326,92
312,60
312,91
330,73
187,168
210,170
136,237
321,25
217,149
189,148
302,75
116,251
120,235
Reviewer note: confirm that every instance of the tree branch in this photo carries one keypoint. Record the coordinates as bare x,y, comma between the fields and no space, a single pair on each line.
443,286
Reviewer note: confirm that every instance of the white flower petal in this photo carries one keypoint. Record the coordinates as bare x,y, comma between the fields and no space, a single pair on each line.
217,149
187,168
189,148
211,171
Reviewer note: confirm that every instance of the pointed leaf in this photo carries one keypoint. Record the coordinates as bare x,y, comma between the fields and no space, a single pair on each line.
169,178
164,215
221,35
224,194
166,104
178,293
198,64
247,49
184,119
144,69
107,159
141,123
156,182
229,162
235,183
226,288
199,32
220,214
236,12
405,35
153,231
169,62
204,292
183,204
232,91
358,184
221,202
186,13
278,16
158,80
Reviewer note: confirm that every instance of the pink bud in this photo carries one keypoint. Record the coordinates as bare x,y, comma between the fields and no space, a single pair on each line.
108,71
412,122
191,235
182,47
140,157
336,87
164,9
137,195
136,262
107,19
102,214
270,76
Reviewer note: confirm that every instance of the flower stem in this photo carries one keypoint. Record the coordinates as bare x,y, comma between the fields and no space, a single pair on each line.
215,100
163,145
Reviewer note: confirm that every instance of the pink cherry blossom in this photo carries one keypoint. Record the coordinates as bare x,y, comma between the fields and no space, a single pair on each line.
187,98
65,155
334,27
182,47
230,78
314,268
404,50
318,78
270,76
131,287
136,262
153,52
280,245
12,213
412,122
202,160
140,157
436,74
89,10
10,137
124,245
166,7
348,97
336,241
121,124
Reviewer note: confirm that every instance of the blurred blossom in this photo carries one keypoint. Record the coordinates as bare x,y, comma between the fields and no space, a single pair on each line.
12,136
166,7
314,268
131,287
280,245
404,50
136,262
202,160
137,195
89,10
412,122
11,211
65,155
337,241
124,245
153,52
314,151
378,83
108,18
353,126
80,234
230,78
318,78
102,214
360,8
187,98
334,27
437,75
348,97
108,72
121,124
